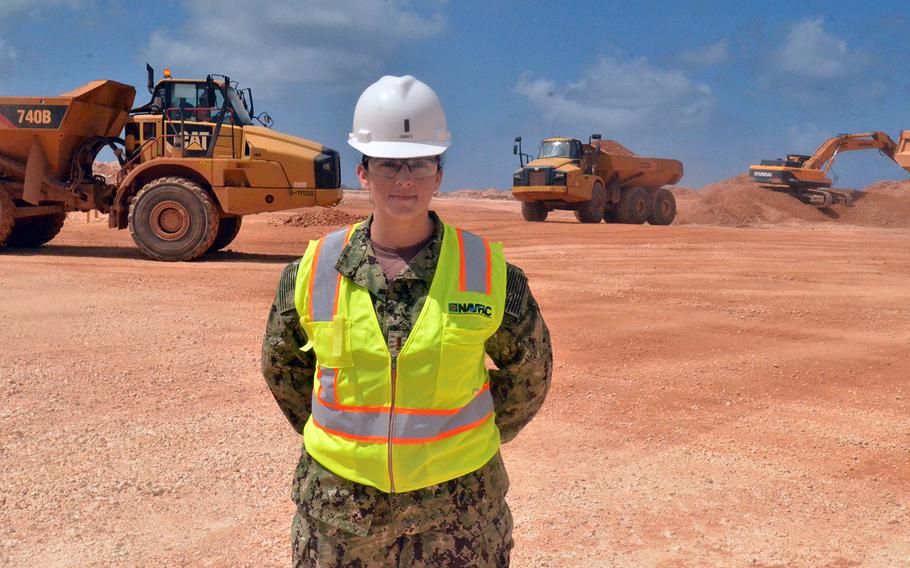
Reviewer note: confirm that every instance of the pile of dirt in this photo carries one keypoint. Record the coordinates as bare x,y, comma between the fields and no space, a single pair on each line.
684,192
612,147
319,217
738,202
489,193
882,204
107,169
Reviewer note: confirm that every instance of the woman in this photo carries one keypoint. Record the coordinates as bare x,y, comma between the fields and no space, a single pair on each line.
375,351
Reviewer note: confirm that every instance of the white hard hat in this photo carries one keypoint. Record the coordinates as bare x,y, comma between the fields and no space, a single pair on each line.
399,117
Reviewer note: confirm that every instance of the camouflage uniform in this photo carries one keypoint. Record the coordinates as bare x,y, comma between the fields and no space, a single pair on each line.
462,522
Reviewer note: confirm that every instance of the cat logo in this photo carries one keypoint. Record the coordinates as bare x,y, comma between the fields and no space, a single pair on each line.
196,141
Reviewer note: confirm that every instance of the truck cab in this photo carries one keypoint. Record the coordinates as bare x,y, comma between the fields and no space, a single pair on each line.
207,130
556,173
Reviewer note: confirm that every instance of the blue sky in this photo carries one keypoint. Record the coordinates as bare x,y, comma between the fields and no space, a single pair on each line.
718,85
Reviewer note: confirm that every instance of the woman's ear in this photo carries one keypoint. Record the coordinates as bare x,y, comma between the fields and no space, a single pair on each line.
362,177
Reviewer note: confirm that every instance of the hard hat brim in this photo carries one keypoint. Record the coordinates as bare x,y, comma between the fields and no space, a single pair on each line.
398,149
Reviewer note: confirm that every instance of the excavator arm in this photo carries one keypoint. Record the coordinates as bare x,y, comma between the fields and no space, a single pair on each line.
823,158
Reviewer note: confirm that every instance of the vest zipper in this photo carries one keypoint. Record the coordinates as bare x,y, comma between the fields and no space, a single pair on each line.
392,422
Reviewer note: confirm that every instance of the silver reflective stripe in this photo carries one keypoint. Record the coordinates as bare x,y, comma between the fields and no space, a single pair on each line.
325,286
408,427
327,383
370,424
423,426
474,250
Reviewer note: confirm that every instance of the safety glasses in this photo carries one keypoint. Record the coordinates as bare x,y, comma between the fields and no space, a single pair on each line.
390,167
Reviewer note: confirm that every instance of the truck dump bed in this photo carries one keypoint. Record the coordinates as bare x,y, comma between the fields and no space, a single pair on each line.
61,125
649,173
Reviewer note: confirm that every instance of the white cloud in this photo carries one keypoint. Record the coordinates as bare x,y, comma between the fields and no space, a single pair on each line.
7,51
620,95
707,55
333,43
809,50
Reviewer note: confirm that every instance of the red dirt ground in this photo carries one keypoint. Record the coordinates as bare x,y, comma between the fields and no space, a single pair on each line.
721,397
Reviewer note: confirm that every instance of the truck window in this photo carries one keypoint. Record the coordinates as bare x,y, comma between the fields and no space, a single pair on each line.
193,104
560,149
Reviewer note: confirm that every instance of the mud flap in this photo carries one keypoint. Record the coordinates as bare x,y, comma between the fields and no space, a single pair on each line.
35,169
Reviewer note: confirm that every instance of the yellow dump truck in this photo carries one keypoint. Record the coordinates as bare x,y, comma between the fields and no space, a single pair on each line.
193,162
595,183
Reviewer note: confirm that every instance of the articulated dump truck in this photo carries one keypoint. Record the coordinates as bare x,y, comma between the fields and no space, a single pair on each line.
596,184
192,164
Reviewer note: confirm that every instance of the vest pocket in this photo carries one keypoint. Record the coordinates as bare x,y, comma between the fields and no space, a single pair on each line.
462,358
331,340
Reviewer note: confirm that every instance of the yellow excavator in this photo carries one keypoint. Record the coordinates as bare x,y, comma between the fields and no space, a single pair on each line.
806,177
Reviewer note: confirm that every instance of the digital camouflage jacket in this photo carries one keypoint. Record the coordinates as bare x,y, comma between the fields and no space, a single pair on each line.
520,349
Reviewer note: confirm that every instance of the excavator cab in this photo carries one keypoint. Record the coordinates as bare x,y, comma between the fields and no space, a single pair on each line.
792,161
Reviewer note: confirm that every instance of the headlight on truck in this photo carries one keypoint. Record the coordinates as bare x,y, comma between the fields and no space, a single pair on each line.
559,178
516,179
328,169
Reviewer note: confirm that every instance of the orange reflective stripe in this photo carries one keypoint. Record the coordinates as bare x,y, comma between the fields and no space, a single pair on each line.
444,435
430,411
462,273
384,439
313,273
347,239
489,267
409,424
370,439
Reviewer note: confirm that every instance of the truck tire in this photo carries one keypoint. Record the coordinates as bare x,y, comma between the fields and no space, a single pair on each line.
7,215
635,205
593,211
664,208
534,211
173,219
32,232
228,227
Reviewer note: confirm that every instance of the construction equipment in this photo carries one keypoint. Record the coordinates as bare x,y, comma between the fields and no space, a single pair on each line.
193,163
806,177
595,183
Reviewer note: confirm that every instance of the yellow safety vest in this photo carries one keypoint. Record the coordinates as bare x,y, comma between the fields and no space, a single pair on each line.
426,416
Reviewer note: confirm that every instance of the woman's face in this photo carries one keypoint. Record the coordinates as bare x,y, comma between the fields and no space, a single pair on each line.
406,195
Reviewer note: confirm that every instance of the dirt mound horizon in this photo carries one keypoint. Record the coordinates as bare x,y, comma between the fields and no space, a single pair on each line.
319,217
488,193
739,202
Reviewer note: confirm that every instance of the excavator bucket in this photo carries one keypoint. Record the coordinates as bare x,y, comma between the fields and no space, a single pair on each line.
902,155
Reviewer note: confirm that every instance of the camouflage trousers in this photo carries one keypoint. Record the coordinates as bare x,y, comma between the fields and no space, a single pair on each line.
394,540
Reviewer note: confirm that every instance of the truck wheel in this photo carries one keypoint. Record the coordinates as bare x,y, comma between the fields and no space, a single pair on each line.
228,227
7,215
32,232
664,208
634,207
172,219
593,211
533,211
